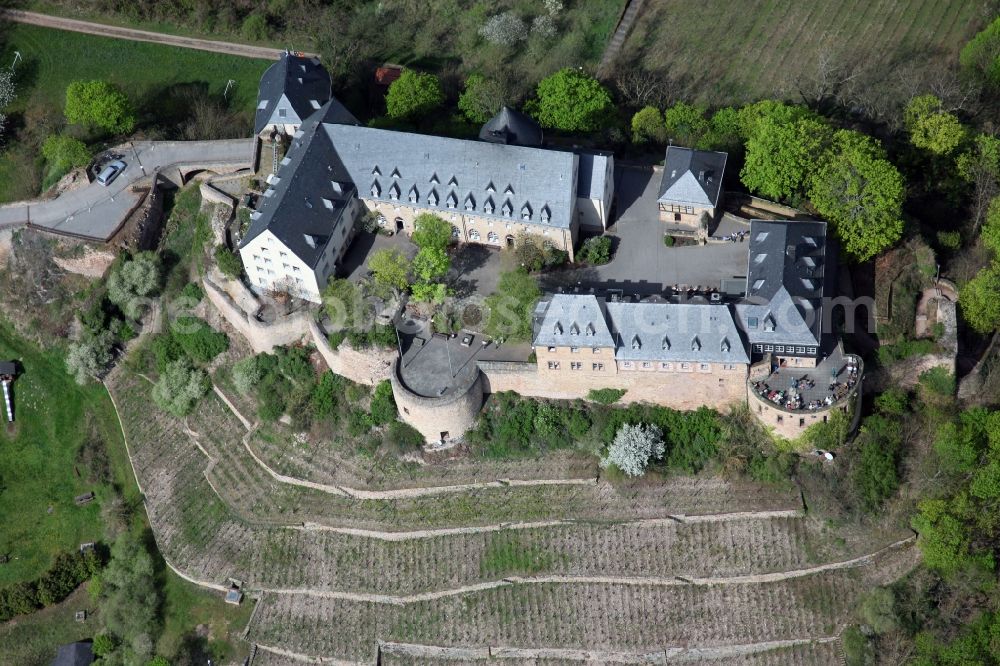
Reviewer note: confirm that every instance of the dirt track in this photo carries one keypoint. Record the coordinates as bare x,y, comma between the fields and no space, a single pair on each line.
74,25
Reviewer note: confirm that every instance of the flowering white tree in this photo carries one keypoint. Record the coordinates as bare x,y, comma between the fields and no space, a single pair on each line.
634,445
8,93
553,7
544,26
504,29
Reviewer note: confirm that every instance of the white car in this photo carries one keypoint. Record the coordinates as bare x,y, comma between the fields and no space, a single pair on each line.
110,172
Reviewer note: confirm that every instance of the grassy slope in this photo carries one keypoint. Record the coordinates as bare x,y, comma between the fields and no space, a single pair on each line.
37,462
36,470
731,56
151,74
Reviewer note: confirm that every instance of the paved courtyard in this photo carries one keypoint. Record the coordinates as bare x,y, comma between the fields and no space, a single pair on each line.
642,264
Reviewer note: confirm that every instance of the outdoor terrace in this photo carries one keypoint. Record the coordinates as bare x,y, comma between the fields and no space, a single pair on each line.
798,389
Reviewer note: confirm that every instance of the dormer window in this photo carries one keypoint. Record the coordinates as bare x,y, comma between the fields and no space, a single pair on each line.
590,329
636,342
470,203
557,329
574,329
452,200
394,192
666,343
453,182
432,198
488,206
507,209
525,212
395,173
376,171
327,203
769,322
434,179
509,191
376,190
724,347
414,195
546,214
696,344
757,284
490,188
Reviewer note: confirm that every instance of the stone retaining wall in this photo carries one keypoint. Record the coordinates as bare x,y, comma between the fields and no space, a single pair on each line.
263,337
366,366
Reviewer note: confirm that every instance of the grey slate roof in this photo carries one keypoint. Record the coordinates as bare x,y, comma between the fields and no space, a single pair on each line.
679,332
692,177
305,204
593,175
786,273
297,85
74,654
438,173
663,331
513,128
573,321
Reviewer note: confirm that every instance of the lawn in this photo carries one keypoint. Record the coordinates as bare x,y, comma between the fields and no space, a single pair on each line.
39,472
34,639
160,80
723,55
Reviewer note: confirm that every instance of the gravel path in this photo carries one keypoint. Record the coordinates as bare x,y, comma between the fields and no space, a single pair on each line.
103,30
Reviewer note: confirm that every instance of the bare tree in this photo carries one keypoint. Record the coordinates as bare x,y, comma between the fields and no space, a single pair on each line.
639,87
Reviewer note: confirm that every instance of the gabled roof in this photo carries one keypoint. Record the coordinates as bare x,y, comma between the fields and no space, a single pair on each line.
542,179
571,320
304,205
513,128
295,85
692,177
786,277
74,654
680,332
592,181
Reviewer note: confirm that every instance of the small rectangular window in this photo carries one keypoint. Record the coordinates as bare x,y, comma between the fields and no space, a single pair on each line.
598,366
552,349
574,350
553,365
576,366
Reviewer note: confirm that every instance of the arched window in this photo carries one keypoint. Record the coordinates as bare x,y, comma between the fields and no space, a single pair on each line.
473,235
493,237
455,232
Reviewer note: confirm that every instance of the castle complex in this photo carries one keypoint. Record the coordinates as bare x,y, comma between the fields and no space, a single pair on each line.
769,343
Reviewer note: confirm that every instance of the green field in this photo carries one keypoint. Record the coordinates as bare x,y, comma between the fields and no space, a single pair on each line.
161,81
34,639
39,473
721,53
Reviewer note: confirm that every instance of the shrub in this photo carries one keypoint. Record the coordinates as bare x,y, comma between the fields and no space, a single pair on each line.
647,126
510,307
878,610
875,475
254,27
134,280
383,405
294,363
939,381
573,101
192,292
404,436
413,95
949,240
668,240
596,251
336,338
67,572
358,422
888,354
90,357
247,375
606,396
64,153
103,645
632,448
228,262
326,395
165,348
200,342
180,387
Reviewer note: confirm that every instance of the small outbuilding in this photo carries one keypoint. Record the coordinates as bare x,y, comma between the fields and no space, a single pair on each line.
74,654
8,370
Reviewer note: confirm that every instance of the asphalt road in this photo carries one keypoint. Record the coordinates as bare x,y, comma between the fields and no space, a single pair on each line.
96,211
90,28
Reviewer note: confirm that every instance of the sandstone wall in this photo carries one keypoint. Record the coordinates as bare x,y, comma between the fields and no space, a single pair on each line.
263,337
438,418
369,366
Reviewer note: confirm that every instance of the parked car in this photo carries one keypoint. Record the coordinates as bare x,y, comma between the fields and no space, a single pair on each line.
110,172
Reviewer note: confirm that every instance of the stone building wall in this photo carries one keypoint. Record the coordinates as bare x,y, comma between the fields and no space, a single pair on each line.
263,337
366,366
439,418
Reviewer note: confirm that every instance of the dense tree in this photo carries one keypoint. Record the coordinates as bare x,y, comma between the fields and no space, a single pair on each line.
431,264
431,231
860,193
782,147
990,232
647,126
509,308
724,131
134,281
931,127
980,167
90,357
343,304
875,474
504,29
633,446
981,55
200,342
685,124
391,269
383,405
180,387
130,599
413,95
979,300
99,104
573,101
64,152
247,374
483,97
430,292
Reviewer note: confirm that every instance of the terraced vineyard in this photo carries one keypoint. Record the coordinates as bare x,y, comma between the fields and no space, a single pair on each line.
659,568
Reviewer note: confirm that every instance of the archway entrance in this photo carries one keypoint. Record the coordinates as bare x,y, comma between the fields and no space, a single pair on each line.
399,224
510,241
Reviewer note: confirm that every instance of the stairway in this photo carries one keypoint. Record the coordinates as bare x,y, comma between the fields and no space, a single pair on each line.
7,402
